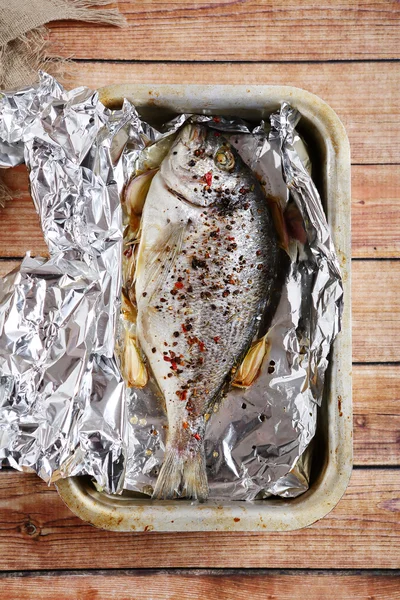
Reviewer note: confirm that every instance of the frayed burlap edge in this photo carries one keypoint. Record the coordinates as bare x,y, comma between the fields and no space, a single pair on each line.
22,58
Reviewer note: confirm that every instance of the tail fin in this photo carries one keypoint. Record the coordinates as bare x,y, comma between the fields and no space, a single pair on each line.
182,475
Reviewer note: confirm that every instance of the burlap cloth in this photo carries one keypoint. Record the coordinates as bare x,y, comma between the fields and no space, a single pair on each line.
24,44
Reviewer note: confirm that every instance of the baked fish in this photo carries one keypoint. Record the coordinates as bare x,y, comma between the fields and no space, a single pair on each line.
205,271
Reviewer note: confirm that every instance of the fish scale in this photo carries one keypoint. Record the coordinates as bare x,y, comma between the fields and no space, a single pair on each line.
206,265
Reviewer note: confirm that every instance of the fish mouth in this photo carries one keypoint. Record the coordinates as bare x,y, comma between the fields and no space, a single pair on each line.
193,135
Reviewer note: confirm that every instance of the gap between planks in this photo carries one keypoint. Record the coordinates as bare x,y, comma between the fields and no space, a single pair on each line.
37,531
192,584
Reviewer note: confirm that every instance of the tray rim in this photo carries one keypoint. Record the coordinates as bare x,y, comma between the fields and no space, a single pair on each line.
137,514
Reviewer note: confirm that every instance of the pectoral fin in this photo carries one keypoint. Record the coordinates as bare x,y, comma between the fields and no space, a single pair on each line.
155,261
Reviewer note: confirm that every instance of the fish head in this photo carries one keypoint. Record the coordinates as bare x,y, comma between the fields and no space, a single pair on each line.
199,165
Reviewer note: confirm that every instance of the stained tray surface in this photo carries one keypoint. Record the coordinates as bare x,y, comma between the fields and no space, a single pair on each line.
332,460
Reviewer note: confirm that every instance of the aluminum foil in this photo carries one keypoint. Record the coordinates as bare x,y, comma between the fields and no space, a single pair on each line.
64,407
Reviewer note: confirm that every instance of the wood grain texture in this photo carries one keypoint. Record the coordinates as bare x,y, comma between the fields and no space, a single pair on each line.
375,211
376,389
376,311
376,406
240,30
20,229
37,531
365,95
375,214
192,585
8,265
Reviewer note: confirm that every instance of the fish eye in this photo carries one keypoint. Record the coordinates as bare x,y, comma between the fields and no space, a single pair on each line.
224,158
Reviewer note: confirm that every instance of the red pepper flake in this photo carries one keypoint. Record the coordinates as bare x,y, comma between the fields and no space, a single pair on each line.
184,328
181,394
230,238
185,424
196,437
174,365
202,346
216,120
217,134
178,285
216,339
128,252
167,359
208,178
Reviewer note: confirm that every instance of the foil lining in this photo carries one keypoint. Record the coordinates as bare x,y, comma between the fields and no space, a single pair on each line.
64,407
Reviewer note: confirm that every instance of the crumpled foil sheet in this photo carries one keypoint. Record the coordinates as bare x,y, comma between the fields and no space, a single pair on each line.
64,408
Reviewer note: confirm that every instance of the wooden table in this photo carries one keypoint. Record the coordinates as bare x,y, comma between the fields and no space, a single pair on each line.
347,53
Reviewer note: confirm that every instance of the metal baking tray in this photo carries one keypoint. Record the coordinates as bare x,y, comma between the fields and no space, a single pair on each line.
332,458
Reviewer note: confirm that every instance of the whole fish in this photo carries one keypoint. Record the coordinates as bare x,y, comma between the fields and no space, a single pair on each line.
206,266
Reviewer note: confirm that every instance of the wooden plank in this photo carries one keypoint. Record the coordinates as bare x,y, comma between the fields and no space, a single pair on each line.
376,398
37,531
375,211
236,30
376,405
377,439
189,585
375,214
376,390
8,265
376,310
19,223
364,95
